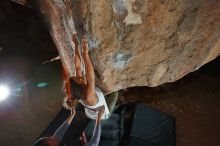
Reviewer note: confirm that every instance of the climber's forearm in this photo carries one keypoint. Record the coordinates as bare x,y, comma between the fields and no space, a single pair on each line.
66,84
89,97
90,74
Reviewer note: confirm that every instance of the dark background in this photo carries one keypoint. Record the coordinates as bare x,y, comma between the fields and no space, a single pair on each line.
25,43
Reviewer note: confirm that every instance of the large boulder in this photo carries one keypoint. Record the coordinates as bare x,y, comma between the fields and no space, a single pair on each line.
146,42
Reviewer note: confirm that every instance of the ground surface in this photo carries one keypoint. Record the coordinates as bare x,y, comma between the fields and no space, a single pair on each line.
194,101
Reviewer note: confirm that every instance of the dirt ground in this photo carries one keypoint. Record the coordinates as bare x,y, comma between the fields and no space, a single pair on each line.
194,101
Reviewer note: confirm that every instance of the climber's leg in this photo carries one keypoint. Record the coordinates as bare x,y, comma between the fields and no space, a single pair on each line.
111,100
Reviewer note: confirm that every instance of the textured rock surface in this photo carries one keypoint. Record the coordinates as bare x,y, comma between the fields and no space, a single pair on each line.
148,42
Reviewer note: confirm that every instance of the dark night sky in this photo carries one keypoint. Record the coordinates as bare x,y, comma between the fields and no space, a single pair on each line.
22,32
24,40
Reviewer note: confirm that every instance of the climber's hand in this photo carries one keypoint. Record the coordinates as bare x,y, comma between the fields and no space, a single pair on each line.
85,45
74,39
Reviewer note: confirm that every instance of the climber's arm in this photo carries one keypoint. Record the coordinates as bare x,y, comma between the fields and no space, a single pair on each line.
66,84
90,75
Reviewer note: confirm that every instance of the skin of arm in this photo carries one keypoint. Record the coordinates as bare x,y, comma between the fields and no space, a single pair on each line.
60,132
95,137
83,139
70,118
66,84
90,96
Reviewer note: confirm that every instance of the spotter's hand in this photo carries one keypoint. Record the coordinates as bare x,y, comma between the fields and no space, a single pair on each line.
68,103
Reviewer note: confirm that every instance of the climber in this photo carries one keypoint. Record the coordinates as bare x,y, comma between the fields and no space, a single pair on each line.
57,137
82,87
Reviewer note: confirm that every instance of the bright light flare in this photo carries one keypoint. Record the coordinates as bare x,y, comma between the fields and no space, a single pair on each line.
4,92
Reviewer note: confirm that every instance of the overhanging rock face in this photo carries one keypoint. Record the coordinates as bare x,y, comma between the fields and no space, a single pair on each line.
148,42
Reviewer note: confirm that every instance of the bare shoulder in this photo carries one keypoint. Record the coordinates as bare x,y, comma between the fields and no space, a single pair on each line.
91,99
